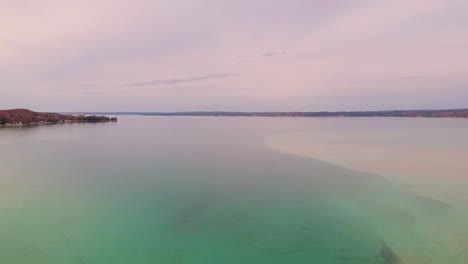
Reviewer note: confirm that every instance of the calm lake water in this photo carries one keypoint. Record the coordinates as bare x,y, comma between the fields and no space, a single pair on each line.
233,190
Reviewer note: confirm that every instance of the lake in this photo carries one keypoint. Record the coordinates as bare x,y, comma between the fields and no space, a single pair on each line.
235,190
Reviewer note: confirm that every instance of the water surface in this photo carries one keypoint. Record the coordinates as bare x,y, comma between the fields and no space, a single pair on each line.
209,190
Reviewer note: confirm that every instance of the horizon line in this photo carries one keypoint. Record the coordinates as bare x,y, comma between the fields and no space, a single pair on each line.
274,111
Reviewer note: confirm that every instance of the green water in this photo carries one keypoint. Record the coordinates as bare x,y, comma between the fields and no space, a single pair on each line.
204,190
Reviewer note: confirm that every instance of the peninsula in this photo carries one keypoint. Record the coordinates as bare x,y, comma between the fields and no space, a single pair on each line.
25,117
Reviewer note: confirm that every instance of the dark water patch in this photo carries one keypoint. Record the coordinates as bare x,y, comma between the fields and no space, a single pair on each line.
399,216
388,255
189,216
348,259
433,204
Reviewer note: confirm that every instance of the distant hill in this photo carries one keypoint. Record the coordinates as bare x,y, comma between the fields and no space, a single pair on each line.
16,117
450,113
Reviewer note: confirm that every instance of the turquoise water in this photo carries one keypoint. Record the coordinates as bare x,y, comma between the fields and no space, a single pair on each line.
206,190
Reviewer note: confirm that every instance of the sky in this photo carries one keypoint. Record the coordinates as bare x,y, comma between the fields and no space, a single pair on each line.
233,55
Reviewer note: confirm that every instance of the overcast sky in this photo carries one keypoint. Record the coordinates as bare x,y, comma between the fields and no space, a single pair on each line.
252,55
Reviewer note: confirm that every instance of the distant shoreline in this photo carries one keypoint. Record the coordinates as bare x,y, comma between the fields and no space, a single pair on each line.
448,113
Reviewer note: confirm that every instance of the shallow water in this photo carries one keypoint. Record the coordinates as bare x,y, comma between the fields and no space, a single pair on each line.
208,190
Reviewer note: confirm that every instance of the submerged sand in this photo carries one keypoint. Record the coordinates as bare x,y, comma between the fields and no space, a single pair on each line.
430,168
427,168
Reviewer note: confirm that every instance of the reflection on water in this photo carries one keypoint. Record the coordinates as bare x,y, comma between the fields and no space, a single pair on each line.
207,190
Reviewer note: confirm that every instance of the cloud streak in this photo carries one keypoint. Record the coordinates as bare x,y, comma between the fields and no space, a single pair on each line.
411,76
177,80
274,53
94,87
